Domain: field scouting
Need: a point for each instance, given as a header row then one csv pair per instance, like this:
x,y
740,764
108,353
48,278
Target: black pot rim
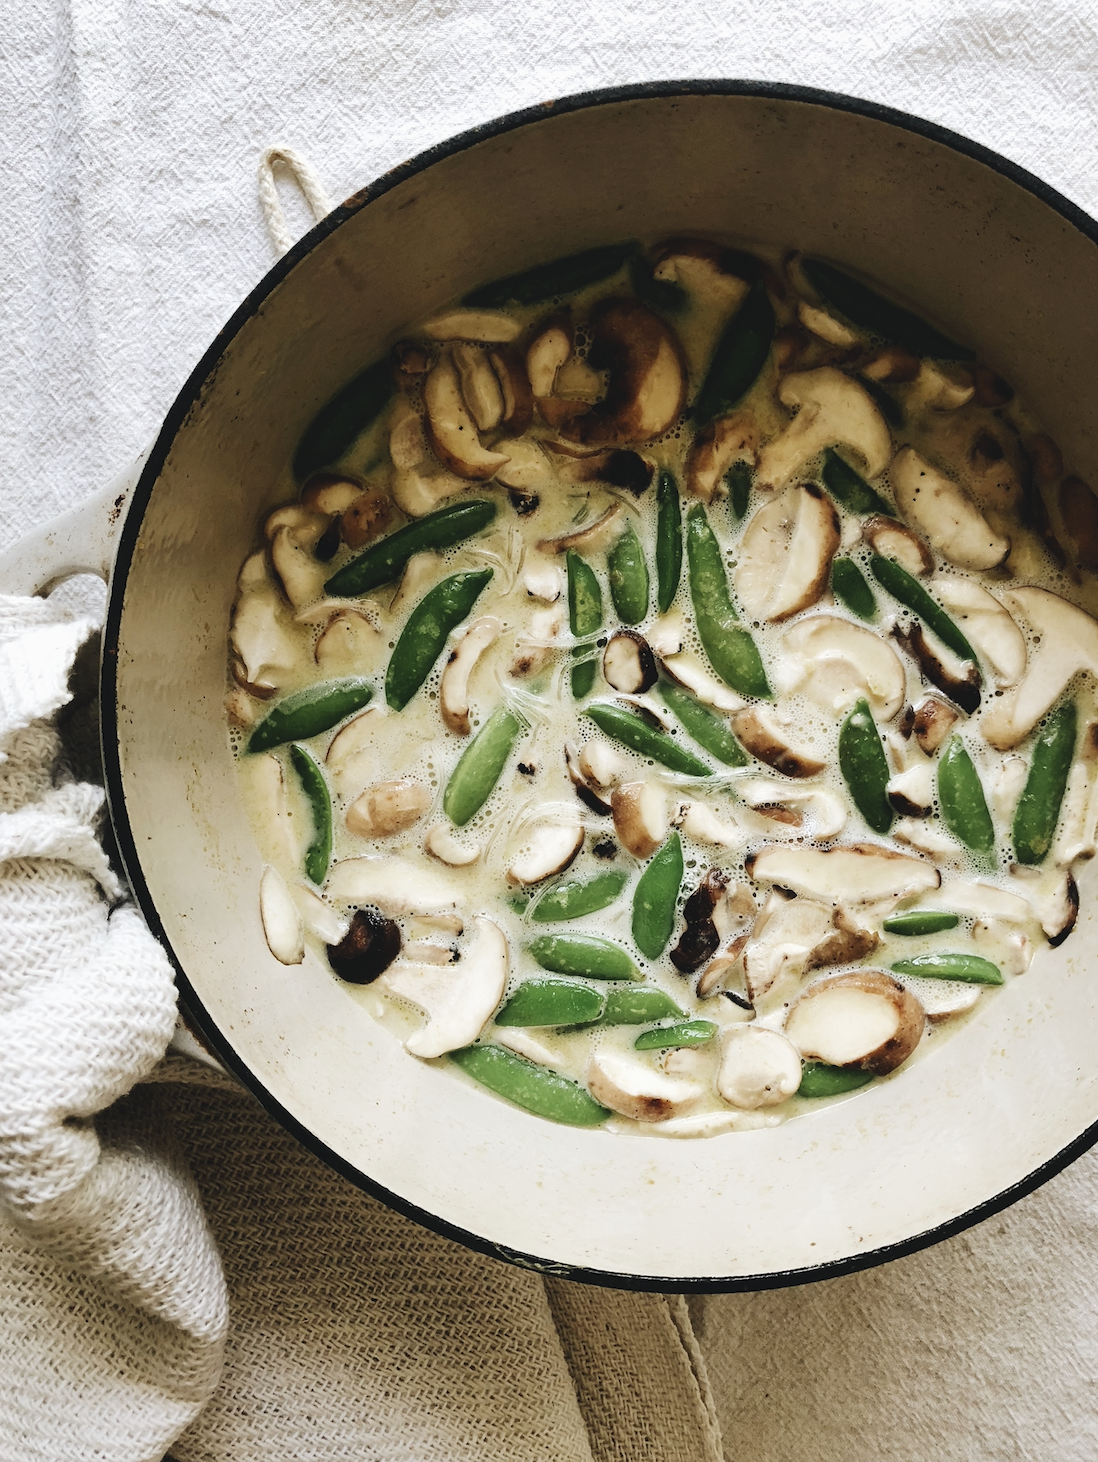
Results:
x,y
188,396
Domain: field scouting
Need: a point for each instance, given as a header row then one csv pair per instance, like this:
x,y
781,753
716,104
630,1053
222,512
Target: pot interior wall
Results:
x,y
967,246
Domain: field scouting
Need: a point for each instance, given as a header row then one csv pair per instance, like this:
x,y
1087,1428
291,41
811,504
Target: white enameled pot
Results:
x,y
968,239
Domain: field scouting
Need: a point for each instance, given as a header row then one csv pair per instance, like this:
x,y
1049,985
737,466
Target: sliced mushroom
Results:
x,y
364,518
758,730
912,792
864,1019
986,900
942,999
1004,944
794,935
834,409
330,493
1077,833
1066,641
349,642
421,570
636,1090
458,999
547,353
854,873
352,755
759,1067
940,509
267,654
241,706
601,764
724,970
451,430
700,822
935,389
985,454
711,273
1053,895
318,916
441,843
536,645
891,365
587,793
647,376
689,671
667,635
714,449
1008,784
616,468
514,385
840,662
525,1044
596,537
934,720
544,581
826,327
640,816
826,813
393,884
628,664
301,573
282,925
368,948
550,848
956,678
418,491
453,690
490,327
480,388
388,807
895,540
786,552
929,840
700,938
988,626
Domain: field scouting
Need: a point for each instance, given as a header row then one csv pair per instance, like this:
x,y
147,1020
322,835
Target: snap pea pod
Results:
x,y
310,711
632,731
424,636
628,575
584,619
477,772
739,357
738,479
655,899
864,766
637,1007
551,1002
850,588
578,896
865,307
346,416
548,281
1038,809
534,1088
668,540
818,1080
970,969
961,797
850,488
583,954
909,591
685,1033
731,650
318,855
921,921
708,730
384,561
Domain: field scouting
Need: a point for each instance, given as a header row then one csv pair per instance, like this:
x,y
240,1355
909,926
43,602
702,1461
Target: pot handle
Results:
x,y
81,541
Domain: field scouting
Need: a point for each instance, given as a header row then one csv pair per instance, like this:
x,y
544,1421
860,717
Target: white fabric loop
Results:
x,y
306,178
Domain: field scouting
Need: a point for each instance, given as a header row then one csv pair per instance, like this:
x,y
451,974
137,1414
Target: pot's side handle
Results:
x,y
81,541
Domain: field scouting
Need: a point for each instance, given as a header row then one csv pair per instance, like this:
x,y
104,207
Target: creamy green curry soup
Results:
x,y
665,691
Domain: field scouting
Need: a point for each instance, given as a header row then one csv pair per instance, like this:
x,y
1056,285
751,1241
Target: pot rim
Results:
x,y
174,420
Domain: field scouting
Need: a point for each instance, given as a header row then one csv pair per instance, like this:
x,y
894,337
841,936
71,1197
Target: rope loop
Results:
x,y
306,178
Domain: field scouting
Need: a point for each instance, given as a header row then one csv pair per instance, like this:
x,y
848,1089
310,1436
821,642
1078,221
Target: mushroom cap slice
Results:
x,y
547,352
934,720
1067,643
987,626
595,537
628,664
827,812
441,843
940,509
451,430
714,448
834,410
759,731
786,552
388,807
453,690
864,1019
896,540
282,923
634,1089
490,327
551,847
759,1067
480,386
647,388
689,671
640,816
458,999
853,873
349,642
393,884
844,661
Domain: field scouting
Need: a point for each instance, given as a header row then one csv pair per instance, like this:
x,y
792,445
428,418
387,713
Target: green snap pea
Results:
x,y
668,540
864,766
424,636
685,1033
583,954
551,1002
962,800
866,308
637,1007
849,587
384,561
551,280
1038,809
909,591
850,488
336,425
739,490
708,730
476,774
310,711
968,968
534,1088
655,898
731,650
584,619
633,731
318,855
740,355
628,575
921,921
578,896
818,1080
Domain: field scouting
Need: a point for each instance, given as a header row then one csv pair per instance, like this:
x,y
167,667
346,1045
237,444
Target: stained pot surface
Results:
x,y
968,240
